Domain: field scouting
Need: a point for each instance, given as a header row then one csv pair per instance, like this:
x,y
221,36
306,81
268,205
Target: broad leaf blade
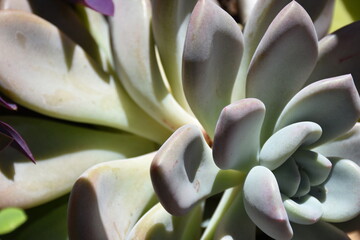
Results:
x,y
98,207
212,54
47,72
62,152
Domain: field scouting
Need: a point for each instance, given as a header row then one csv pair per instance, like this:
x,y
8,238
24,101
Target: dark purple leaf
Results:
x,y
105,7
10,106
17,141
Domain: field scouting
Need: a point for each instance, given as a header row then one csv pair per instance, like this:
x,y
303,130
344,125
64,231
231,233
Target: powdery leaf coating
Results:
x,y
264,205
183,171
332,103
237,135
213,39
283,143
291,42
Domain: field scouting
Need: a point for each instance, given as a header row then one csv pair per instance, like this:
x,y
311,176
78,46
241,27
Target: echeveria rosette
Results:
x,y
271,150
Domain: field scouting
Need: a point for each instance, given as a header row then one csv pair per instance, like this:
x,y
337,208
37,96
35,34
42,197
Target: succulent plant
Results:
x,y
268,116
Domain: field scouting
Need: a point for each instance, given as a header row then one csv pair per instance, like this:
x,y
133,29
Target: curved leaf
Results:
x,y
283,143
62,152
7,105
306,210
46,72
316,166
288,177
264,205
332,103
98,207
170,19
212,54
345,146
262,14
59,13
321,13
275,84
237,135
342,200
304,186
137,67
339,53
16,140
183,172
157,223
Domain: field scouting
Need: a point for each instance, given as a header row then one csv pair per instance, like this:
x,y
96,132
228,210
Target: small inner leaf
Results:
x,y
282,144
316,166
305,210
288,177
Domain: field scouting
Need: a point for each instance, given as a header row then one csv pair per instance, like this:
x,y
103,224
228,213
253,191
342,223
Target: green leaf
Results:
x,y
10,219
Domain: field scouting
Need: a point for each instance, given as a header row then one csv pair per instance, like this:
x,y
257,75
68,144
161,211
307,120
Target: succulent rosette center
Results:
x,y
271,141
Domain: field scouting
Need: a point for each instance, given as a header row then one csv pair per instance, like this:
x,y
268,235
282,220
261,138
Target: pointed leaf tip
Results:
x,y
18,142
9,106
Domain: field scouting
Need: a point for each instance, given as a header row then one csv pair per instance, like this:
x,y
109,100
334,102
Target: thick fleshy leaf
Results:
x,y
288,177
137,67
235,224
157,223
102,6
316,166
339,53
10,219
237,135
262,14
282,144
275,84
183,172
46,72
62,152
342,201
17,140
321,13
318,231
305,210
59,13
108,199
346,146
264,205
9,106
212,54
332,103
304,186
170,19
